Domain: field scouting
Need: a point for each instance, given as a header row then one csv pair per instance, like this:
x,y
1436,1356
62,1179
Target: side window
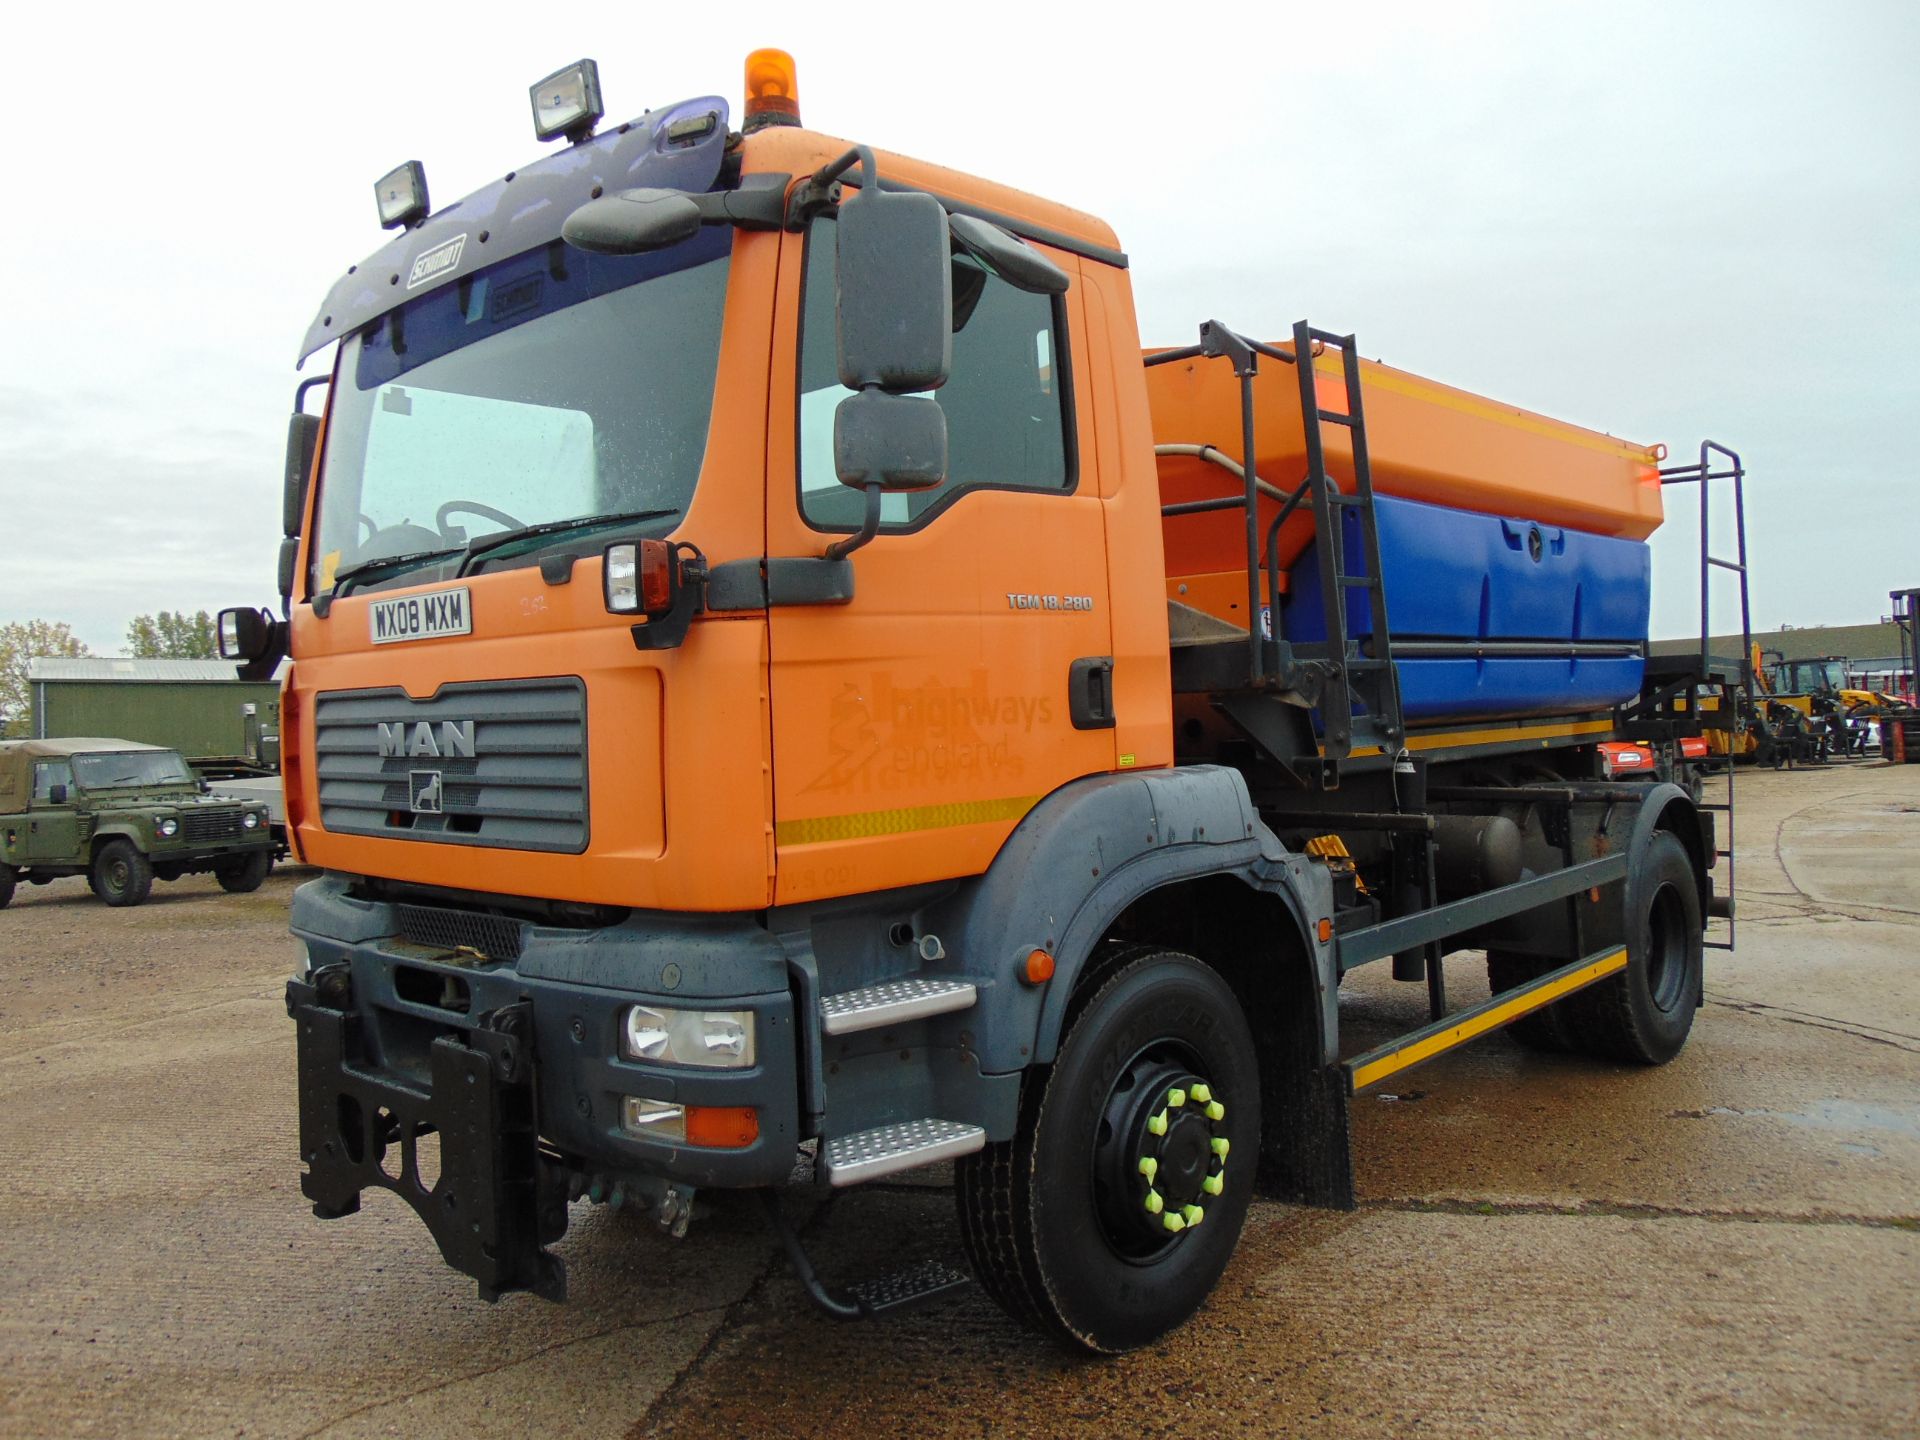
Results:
x,y
46,775
1006,401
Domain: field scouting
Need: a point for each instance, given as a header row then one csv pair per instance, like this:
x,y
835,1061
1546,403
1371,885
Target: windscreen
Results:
x,y
553,386
130,769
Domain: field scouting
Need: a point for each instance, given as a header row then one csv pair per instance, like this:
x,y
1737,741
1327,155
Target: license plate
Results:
x,y
421,617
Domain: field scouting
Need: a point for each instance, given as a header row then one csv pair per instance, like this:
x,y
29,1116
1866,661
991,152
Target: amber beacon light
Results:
x,y
773,90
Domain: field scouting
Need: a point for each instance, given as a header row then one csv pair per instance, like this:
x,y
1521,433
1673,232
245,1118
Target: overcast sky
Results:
x,y
1667,221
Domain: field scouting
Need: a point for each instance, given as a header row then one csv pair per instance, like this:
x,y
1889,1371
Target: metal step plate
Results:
x,y
888,1149
908,1288
893,1002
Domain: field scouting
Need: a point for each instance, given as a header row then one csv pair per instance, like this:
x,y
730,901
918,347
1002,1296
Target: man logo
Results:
x,y
425,793
455,738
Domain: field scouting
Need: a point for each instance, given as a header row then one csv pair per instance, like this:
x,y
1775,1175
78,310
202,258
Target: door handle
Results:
x,y
1090,692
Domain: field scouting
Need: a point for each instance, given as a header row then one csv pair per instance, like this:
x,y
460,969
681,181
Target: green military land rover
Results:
x,y
120,814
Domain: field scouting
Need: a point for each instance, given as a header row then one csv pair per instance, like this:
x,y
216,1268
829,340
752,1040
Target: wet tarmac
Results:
x,y
1728,1245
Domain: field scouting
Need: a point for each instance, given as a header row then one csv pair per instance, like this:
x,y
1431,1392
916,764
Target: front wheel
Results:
x,y
7,882
121,874
1108,1218
244,875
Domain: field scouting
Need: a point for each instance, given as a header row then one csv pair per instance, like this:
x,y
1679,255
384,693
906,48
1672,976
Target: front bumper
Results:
x,y
515,1066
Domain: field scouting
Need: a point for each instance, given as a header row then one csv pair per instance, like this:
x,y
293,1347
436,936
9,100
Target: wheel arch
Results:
x,y
1097,851
1671,809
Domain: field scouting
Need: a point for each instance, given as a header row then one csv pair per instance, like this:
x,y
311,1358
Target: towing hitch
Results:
x,y
496,1203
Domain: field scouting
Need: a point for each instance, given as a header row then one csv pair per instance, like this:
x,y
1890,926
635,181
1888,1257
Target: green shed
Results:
x,y
194,706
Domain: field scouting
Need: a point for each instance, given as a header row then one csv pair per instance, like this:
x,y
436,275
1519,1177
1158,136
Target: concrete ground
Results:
x,y
1726,1246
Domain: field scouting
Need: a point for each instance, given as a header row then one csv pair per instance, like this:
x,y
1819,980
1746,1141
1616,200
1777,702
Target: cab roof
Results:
x,y
71,745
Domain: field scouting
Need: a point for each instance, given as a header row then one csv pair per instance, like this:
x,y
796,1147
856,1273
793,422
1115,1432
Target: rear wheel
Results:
x,y
1108,1218
243,875
1643,1014
121,874
1546,1029
6,886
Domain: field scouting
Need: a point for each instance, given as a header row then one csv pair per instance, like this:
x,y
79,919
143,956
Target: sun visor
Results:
x,y
678,148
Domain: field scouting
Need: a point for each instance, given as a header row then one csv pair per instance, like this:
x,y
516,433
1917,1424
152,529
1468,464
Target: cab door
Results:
x,y
970,674
53,830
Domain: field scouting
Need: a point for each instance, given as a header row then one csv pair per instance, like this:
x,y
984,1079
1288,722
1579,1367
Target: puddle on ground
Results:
x,y
1825,1115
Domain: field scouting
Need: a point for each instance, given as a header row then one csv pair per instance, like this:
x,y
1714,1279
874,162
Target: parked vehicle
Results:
x,y
779,673
123,815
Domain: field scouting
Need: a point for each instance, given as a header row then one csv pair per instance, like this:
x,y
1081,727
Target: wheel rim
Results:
x,y
117,875
1666,949
1160,1152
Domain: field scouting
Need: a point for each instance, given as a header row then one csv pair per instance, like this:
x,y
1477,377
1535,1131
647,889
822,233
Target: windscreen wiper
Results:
x,y
395,562
486,546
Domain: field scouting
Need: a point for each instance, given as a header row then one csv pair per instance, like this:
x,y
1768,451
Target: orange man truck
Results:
x,y
785,690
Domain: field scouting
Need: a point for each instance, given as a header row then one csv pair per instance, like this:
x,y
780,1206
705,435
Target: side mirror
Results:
x,y
244,633
56,794
1008,256
897,442
632,222
895,299
303,438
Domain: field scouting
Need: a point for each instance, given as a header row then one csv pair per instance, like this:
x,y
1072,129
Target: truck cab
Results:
x,y
123,815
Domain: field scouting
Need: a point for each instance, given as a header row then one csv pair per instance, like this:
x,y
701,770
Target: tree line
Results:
x,y
165,635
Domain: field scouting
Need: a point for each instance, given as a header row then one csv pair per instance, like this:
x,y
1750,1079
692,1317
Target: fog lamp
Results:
x,y
168,828
711,1039
567,102
402,195
654,1119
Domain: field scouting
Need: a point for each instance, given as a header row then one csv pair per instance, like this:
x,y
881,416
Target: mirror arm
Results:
x,y
821,190
869,527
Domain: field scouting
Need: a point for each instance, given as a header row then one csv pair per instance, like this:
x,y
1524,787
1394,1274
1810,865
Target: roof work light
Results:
x,y
567,103
773,90
402,195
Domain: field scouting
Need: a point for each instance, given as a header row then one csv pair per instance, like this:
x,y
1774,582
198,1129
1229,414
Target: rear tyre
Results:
x,y
1108,1218
7,882
1643,1015
121,874
243,876
1546,1030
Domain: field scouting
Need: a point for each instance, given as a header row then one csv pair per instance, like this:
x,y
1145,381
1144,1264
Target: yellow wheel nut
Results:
x,y
1176,1098
1173,1222
1154,1203
1158,1124
1214,1184
1216,1111
1201,1093
1192,1214
1220,1146
1149,1167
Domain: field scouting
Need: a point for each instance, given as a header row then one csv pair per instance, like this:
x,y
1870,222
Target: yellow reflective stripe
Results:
x,y
1401,383
1487,1020
867,824
1440,739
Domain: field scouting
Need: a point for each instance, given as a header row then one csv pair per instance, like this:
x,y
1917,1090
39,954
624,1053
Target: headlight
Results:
x,y
249,821
168,828
714,1039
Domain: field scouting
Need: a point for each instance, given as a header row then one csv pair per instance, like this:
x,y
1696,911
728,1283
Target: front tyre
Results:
x,y
1108,1218
121,874
7,882
244,875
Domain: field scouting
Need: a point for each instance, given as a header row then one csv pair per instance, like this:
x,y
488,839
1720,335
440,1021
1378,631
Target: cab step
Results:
x,y
889,1149
908,1288
893,1002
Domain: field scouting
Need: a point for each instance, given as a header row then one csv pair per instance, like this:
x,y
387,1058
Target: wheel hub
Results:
x,y
1162,1155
